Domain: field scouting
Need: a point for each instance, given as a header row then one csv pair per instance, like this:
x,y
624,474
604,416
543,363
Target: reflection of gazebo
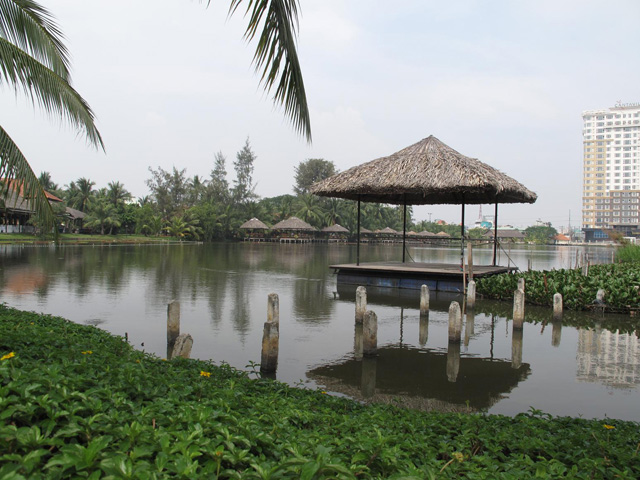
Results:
x,y
418,377
255,229
294,230
428,172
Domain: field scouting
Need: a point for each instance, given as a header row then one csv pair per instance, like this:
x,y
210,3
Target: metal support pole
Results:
x,y
462,238
358,236
495,236
404,228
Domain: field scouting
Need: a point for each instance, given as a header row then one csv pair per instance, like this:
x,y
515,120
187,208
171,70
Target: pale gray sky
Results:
x,y
171,83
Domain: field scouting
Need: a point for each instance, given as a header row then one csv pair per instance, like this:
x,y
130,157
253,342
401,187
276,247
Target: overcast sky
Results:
x,y
171,84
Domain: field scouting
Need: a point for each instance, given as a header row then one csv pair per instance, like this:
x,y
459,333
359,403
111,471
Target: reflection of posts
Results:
x,y
455,322
424,301
271,336
518,309
357,342
173,325
556,333
516,347
453,361
368,378
370,334
469,328
361,303
471,294
423,333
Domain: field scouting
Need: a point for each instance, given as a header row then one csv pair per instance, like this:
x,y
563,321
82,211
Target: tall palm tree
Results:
x,y
80,194
33,59
117,194
103,215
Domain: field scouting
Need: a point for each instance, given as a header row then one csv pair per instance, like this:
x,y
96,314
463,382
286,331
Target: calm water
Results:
x,y
223,292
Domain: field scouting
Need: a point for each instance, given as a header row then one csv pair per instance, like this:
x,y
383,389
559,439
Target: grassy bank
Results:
x,y
76,402
618,280
78,239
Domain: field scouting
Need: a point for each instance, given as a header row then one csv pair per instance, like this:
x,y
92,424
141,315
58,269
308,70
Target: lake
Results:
x,y
222,288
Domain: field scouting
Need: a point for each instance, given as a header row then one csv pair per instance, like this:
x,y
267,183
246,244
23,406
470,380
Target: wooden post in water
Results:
x,y
173,325
529,264
557,306
424,301
471,294
361,303
470,262
518,309
182,346
271,336
370,334
455,322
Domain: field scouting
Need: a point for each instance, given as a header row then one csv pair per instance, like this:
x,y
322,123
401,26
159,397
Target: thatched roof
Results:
x,y
428,172
388,230
254,224
75,214
293,223
442,234
365,230
337,228
425,233
505,234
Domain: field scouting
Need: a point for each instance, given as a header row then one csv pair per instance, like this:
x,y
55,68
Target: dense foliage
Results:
x,y
628,253
76,402
619,281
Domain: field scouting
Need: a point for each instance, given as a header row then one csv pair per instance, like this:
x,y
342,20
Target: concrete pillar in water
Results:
x,y
521,283
453,361
516,348
423,332
518,309
273,308
455,322
182,346
471,294
173,325
368,377
556,333
424,301
557,306
271,336
529,264
469,328
370,334
361,303
357,342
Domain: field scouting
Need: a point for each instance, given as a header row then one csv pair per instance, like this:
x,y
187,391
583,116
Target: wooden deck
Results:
x,y
444,277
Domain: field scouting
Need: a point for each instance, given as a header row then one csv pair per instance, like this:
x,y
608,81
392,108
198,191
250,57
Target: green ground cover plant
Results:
x,y
618,280
77,402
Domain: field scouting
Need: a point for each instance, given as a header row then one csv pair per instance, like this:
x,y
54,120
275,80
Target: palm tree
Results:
x,y
80,193
34,59
117,194
103,214
309,210
46,182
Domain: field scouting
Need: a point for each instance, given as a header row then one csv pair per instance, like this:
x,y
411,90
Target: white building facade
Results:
x,y
611,170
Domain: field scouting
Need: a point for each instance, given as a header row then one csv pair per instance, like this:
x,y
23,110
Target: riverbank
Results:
x,y
79,239
77,401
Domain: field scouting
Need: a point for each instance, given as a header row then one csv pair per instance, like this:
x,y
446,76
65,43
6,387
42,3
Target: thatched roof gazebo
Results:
x,y
389,231
254,224
428,172
293,223
337,228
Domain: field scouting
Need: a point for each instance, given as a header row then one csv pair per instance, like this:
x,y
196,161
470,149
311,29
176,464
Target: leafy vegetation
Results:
x,y
77,402
628,253
620,282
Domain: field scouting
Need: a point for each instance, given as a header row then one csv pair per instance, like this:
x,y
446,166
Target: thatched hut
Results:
x,y
336,233
337,228
293,229
428,172
254,224
255,230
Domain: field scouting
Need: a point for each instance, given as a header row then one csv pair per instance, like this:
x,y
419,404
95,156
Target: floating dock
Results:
x,y
440,277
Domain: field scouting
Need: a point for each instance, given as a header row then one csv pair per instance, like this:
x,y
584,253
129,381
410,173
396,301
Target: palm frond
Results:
x,y
16,174
32,28
276,55
50,90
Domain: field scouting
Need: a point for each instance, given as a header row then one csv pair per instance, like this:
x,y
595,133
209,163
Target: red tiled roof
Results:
x,y
15,185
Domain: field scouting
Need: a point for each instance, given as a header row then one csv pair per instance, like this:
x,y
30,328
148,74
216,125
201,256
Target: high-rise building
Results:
x,y
611,171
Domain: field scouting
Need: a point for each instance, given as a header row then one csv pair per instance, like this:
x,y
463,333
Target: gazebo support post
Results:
x,y
495,235
462,238
358,235
404,228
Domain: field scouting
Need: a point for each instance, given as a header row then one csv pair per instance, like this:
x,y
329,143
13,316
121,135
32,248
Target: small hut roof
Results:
x,y
365,230
442,234
505,234
293,223
74,214
428,172
425,233
388,230
254,224
337,228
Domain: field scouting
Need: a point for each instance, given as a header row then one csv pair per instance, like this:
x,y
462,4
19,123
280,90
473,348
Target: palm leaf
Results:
x,y
52,91
16,172
277,57
31,27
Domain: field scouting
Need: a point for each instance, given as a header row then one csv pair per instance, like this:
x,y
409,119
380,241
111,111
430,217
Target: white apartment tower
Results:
x,y
611,170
